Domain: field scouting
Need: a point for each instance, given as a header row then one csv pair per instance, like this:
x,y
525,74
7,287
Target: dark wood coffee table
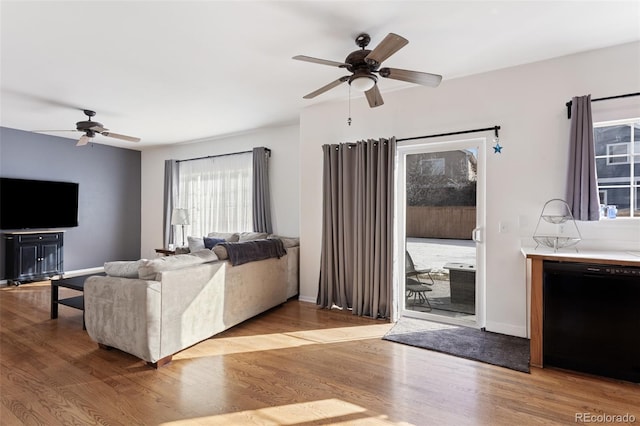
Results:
x,y
77,302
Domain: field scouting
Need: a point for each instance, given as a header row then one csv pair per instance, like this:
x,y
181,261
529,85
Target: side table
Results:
x,y
462,282
76,302
165,251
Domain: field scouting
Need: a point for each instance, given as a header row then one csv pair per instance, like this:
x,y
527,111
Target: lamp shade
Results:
x,y
180,217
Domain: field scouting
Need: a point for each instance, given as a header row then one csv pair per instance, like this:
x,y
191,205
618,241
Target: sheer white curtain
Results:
x,y
217,193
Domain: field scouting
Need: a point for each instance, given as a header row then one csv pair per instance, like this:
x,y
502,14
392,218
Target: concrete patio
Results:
x,y
435,254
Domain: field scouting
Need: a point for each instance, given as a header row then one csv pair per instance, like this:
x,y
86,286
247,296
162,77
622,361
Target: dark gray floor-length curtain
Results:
x,y
261,194
357,228
582,189
170,191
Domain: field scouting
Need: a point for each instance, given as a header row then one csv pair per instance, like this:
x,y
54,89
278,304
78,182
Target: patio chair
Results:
x,y
414,286
411,271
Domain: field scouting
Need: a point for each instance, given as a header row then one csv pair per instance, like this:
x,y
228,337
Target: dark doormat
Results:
x,y
465,342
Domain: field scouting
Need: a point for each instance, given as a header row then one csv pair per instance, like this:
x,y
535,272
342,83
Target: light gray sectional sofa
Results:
x,y
155,308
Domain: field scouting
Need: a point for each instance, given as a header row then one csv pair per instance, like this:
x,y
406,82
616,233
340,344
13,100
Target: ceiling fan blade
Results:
x,y
374,97
84,139
319,61
417,77
387,47
54,131
327,87
118,136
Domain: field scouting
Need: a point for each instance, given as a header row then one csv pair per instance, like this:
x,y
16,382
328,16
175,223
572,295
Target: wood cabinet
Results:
x,y
536,258
33,256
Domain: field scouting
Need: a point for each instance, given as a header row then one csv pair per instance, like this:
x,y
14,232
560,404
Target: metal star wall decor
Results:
x,y
497,149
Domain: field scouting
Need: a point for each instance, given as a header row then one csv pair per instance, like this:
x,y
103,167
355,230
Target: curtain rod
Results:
x,y
222,155
494,128
568,104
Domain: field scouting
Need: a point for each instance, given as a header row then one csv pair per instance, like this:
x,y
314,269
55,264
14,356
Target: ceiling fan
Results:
x,y
364,64
90,128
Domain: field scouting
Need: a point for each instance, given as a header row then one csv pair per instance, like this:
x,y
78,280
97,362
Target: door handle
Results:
x,y
476,235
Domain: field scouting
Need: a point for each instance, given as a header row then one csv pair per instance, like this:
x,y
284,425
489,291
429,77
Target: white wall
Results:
x,y
528,102
283,171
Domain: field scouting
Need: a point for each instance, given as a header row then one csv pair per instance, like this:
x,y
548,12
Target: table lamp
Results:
x,y
180,217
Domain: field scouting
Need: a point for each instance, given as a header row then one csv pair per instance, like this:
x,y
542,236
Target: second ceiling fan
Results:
x,y
364,64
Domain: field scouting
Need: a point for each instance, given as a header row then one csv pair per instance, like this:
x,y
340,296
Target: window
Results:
x,y
617,148
217,193
618,153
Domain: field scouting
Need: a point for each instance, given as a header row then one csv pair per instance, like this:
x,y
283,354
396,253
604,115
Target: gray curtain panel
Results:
x,y
170,192
357,227
582,188
260,191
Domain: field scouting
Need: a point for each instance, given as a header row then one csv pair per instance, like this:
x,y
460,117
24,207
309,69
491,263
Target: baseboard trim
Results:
x,y
307,299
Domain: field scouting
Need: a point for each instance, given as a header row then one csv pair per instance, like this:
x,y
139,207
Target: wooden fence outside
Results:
x,y
455,222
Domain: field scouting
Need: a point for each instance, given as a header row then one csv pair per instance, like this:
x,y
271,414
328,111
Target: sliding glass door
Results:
x,y
440,214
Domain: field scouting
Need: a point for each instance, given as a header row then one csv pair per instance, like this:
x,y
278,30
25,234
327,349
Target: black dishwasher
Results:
x,y
591,319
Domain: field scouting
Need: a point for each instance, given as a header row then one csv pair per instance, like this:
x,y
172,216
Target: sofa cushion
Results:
x,y
210,242
288,242
123,268
206,255
195,244
249,236
150,268
231,237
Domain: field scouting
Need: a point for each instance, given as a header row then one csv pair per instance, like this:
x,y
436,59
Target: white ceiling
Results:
x,y
180,71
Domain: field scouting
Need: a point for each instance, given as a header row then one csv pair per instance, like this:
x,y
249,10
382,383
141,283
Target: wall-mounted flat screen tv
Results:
x,y
37,204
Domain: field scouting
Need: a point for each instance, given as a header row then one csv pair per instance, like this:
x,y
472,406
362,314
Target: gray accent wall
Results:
x,y
109,193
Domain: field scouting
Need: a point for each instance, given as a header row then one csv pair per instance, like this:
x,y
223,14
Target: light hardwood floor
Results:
x,y
294,365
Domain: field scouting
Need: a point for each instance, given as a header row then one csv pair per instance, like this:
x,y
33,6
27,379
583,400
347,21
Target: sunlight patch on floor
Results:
x,y
267,342
327,411
241,344
344,334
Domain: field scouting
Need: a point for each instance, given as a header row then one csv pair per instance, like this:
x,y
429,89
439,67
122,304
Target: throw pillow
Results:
x,y
228,236
221,252
248,236
195,243
210,242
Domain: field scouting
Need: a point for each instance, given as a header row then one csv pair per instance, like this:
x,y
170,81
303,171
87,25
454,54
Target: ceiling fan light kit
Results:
x,y
363,65
362,83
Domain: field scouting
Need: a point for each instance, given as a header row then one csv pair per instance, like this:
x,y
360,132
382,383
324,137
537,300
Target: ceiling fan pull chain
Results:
x,y
349,119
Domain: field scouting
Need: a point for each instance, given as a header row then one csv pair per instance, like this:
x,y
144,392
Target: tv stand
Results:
x,y
33,256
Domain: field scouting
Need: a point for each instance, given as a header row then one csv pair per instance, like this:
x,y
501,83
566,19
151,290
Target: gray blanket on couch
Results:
x,y
249,251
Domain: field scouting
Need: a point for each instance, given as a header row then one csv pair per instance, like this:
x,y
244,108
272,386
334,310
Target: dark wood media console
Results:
x,y
33,256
